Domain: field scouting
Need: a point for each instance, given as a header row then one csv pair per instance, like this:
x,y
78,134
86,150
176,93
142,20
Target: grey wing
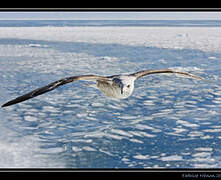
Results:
x,y
156,71
51,87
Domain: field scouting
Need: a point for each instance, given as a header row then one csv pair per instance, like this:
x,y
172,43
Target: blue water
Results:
x,y
168,122
61,23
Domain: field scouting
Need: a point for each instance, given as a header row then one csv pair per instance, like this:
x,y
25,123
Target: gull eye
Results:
x,y
128,86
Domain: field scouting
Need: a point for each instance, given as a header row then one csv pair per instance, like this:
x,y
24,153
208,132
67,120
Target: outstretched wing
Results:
x,y
53,86
156,71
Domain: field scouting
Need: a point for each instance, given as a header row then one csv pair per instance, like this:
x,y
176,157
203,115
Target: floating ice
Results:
x,y
30,118
139,36
50,109
88,148
203,149
141,157
187,124
121,132
37,45
172,158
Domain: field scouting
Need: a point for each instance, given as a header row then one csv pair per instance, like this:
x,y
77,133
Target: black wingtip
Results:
x,y
6,104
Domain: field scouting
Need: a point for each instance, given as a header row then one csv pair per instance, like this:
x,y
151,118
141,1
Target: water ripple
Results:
x,y
169,121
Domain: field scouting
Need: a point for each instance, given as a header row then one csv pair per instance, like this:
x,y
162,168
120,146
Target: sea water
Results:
x,y
168,122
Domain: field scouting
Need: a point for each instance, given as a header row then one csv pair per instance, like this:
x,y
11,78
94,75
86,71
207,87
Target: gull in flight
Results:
x,y
116,86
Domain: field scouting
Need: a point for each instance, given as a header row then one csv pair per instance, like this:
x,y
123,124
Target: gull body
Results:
x,y
116,86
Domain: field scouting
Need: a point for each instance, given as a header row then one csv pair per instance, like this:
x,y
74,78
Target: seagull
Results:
x,y
116,86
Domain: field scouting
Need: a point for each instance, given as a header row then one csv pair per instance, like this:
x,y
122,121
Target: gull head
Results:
x,y
126,85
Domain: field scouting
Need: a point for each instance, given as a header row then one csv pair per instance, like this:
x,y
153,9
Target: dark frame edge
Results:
x,y
110,9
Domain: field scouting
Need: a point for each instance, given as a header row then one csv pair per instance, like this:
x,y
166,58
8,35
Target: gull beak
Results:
x,y
121,88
